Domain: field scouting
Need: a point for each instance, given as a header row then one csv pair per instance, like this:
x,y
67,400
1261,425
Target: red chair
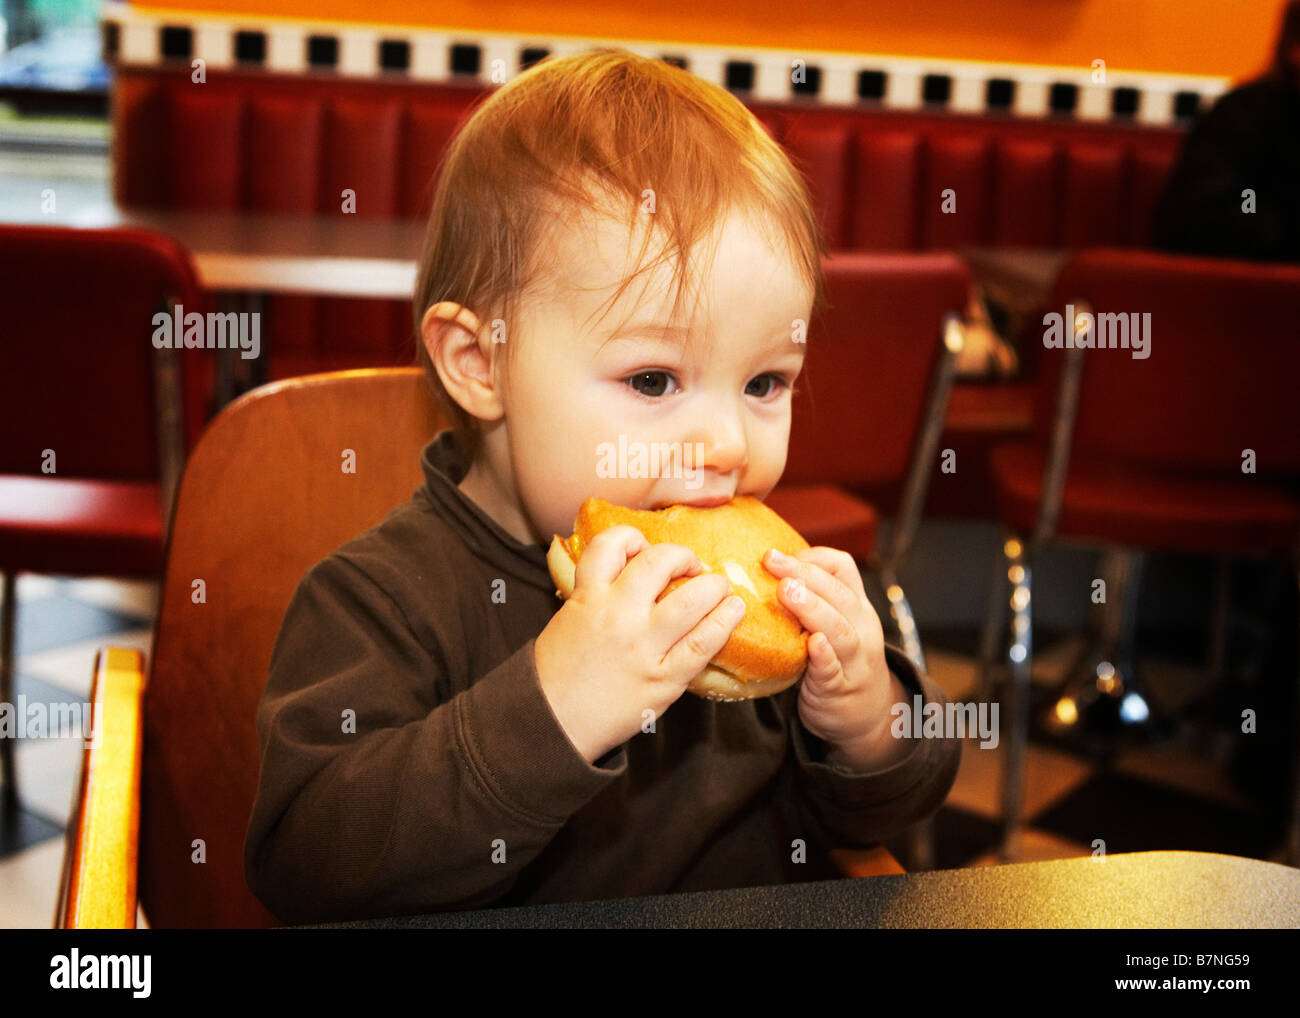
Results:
x,y
870,405
1150,452
94,432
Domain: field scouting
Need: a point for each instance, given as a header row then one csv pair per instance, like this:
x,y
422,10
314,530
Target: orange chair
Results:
x,y
94,435
1191,446
179,759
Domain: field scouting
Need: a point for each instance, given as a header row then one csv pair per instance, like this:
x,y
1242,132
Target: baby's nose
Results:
x,y
725,446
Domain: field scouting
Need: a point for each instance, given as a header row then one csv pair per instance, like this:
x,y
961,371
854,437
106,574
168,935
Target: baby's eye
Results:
x,y
653,388
648,384
775,380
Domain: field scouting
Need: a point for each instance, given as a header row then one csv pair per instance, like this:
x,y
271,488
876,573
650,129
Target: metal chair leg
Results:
x,y
994,620
1218,651
1020,656
1100,696
1293,832
904,620
1119,634
7,651
920,837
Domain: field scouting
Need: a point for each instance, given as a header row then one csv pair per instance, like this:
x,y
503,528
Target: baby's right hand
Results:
x,y
611,652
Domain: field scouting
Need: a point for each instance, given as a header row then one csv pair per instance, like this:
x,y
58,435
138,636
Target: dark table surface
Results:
x,y
1159,890
325,255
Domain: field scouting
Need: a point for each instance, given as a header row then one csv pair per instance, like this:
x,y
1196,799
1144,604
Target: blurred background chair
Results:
x,y
97,422
271,455
868,412
869,408
1194,449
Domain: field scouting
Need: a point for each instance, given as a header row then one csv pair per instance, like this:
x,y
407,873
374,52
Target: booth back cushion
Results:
x,y
881,181
888,181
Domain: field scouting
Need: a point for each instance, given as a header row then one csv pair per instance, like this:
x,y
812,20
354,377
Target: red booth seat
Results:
x,y
879,178
1177,514
57,525
293,144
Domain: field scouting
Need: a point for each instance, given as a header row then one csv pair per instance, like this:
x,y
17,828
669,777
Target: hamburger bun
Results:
x,y
768,649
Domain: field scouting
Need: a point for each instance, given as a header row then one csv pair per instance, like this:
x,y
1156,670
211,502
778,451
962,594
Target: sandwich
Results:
x,y
768,649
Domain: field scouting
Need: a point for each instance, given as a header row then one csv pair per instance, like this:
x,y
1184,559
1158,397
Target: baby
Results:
x,y
439,731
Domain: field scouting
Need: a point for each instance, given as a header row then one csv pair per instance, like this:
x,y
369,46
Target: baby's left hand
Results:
x,y
847,689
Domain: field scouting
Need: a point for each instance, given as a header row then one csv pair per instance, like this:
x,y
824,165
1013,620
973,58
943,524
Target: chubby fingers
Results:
x,y
623,551
812,572
685,606
817,615
609,551
823,589
635,567
694,623
838,563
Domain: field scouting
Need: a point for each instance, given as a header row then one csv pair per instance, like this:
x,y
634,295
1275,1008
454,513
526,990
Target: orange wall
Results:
x,y
1214,37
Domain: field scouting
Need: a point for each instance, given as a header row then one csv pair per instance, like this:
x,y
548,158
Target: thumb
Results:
x,y
609,551
823,664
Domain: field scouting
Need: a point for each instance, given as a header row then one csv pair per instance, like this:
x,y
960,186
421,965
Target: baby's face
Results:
x,y
645,418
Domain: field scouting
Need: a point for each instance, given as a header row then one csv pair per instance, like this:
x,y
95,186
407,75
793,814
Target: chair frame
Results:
x,y
1017,559
917,484
911,505
98,885
170,431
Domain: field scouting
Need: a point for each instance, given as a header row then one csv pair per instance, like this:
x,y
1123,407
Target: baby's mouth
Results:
x,y
699,503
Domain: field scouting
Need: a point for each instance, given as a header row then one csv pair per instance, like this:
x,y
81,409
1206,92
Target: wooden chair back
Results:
x,y
265,495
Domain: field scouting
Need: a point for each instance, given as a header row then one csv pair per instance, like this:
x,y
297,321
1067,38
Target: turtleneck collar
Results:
x,y
444,468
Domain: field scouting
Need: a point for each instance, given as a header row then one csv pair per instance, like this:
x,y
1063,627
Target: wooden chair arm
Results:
x,y
98,887
865,862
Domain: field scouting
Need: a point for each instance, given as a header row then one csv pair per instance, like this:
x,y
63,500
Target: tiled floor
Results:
x,y
1175,795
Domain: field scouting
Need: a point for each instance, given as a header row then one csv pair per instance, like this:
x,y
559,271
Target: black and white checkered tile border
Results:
x,y
141,37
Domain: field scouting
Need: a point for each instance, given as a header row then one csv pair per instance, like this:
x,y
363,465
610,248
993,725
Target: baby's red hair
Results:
x,y
590,133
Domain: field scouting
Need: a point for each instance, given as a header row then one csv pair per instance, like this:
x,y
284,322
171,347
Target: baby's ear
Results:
x,y
435,320
454,343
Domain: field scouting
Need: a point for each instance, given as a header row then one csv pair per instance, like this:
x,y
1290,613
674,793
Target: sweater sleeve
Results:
x,y
375,799
842,809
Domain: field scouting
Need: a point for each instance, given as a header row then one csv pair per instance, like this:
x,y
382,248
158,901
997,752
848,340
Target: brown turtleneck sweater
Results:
x,y
410,762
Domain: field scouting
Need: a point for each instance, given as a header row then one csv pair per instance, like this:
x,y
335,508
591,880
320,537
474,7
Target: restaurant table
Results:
x,y
347,256
1138,890
326,256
